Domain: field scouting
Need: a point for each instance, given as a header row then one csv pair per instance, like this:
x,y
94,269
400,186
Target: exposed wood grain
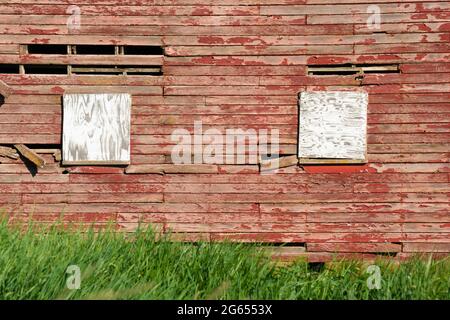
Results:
x,y
333,125
96,128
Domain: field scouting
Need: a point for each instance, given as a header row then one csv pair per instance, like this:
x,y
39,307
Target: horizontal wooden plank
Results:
x,y
336,9
187,51
296,40
114,175
426,247
301,197
166,169
29,29
353,247
105,197
360,18
152,20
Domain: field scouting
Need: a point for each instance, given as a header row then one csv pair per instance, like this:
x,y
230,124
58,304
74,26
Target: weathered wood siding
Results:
x,y
240,64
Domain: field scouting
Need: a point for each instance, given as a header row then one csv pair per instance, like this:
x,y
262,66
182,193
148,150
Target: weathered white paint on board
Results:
x,y
96,128
333,125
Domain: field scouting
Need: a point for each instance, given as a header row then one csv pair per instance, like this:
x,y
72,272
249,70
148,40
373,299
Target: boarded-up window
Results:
x,y
96,129
332,127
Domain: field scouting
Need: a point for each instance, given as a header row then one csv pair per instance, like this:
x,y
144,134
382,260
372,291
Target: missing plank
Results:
x,y
352,69
9,68
46,49
45,69
74,50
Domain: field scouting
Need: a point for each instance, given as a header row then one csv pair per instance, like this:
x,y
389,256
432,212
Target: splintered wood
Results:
x,y
8,153
332,125
96,129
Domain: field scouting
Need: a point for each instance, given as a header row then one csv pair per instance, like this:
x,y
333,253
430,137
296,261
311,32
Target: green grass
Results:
x,y
33,266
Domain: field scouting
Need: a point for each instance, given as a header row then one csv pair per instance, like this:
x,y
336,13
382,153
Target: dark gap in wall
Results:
x,y
288,244
384,71
143,50
2,100
316,266
385,254
9,68
352,69
43,146
47,49
31,167
45,69
87,49
333,73
95,50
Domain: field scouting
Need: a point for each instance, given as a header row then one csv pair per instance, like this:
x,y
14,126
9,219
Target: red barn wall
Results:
x,y
241,64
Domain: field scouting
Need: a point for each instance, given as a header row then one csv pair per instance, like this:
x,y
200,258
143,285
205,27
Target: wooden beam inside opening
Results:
x,y
330,161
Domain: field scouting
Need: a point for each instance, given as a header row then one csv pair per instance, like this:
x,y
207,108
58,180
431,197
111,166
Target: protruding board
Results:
x,y
96,129
5,90
333,125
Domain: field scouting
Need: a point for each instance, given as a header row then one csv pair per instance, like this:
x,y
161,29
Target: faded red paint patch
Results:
x,y
423,27
327,60
41,40
419,16
420,56
381,57
444,27
377,187
238,12
202,12
245,40
57,90
211,40
222,61
40,31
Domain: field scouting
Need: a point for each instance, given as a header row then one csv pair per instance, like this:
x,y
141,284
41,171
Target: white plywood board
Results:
x,y
96,128
333,125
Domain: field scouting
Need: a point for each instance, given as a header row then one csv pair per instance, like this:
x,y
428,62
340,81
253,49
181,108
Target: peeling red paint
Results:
x,y
57,90
202,12
327,60
338,168
246,40
211,40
